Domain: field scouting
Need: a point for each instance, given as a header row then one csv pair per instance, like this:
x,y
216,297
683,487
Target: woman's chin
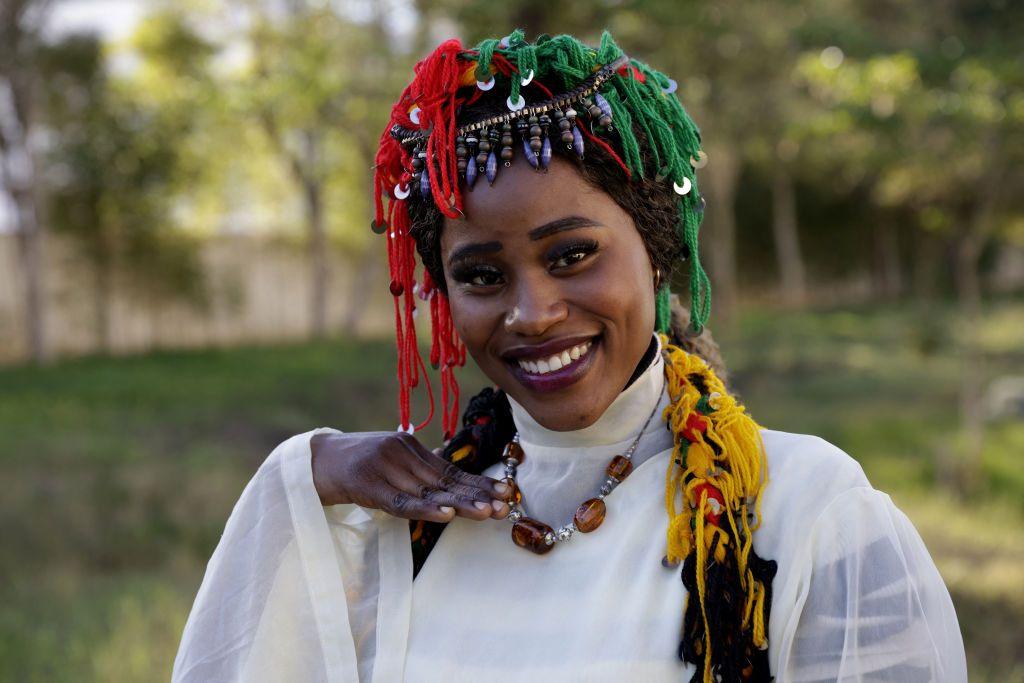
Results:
x,y
560,400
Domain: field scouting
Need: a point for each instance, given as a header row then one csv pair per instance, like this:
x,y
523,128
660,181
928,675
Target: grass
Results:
x,y
120,472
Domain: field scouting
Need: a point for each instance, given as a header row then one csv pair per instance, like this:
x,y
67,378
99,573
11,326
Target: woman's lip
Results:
x,y
556,379
546,349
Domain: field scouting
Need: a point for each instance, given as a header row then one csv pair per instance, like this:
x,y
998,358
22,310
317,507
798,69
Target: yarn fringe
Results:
x,y
717,472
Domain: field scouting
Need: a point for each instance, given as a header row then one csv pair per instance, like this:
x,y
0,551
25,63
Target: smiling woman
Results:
x,y
642,497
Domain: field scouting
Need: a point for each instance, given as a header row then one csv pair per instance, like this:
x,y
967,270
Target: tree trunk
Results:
x,y
101,304
888,280
319,270
972,416
927,255
17,172
723,172
787,237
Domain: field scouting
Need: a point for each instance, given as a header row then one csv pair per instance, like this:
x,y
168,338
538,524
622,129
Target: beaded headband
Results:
x,y
478,141
423,156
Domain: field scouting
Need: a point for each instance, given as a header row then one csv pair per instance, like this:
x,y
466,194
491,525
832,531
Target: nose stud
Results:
x,y
512,316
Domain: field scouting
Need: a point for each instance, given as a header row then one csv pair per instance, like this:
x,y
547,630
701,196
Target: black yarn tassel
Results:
x,y
486,425
733,653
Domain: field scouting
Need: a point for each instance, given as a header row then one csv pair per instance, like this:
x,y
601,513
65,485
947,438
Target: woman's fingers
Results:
x,y
468,502
401,503
450,475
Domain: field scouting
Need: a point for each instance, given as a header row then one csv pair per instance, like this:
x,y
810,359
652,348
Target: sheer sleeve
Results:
x,y
292,591
873,606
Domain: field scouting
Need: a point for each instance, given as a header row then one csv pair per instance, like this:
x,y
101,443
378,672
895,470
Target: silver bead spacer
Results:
x,y
566,532
607,486
549,538
515,515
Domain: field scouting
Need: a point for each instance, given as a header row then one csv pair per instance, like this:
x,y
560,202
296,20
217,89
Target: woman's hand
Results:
x,y
392,471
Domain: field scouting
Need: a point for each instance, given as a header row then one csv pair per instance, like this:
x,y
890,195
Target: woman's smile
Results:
x,y
553,365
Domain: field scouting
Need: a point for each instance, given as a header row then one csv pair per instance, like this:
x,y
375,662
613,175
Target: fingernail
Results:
x,y
501,488
480,505
497,505
445,509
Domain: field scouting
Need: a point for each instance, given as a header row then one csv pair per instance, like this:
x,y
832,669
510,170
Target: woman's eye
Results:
x,y
479,277
485,279
572,255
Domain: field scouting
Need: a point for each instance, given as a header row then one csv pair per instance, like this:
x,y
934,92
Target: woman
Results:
x,y
549,189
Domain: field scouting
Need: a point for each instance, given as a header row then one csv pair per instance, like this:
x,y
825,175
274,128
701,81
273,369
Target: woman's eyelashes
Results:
x,y
562,257
566,255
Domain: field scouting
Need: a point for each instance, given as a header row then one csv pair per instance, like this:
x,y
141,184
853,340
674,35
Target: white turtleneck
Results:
x,y
296,591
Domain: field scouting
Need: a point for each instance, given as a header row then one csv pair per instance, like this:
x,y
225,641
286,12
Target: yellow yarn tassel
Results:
x,y
718,468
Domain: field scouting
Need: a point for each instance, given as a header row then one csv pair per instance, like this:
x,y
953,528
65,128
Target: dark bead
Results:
x,y
517,495
492,168
506,153
425,184
513,450
577,142
589,515
536,144
567,138
545,153
529,533
620,467
396,288
531,156
604,121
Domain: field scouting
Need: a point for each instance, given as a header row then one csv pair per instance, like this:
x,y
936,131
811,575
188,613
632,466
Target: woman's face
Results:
x,y
551,290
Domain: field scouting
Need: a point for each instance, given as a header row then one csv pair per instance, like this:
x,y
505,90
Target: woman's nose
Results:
x,y
535,308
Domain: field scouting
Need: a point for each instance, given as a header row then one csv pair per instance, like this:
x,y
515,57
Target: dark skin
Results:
x,y
539,257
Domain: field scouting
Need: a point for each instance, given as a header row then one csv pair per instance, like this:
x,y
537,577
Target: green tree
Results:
x,y
117,165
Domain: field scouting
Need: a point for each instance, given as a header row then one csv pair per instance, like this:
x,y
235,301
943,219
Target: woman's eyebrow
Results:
x,y
560,225
473,249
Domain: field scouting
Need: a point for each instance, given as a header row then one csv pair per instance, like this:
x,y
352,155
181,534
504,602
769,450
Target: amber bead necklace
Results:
x,y
538,537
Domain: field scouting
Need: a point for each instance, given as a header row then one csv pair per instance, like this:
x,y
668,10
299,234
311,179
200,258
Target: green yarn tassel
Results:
x,y
663,310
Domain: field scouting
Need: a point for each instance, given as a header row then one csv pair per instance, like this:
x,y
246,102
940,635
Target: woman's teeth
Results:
x,y
555,362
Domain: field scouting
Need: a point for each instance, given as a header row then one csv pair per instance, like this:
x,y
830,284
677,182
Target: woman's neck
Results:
x,y
645,362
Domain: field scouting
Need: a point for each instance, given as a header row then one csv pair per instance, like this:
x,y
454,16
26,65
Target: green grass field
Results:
x,y
119,473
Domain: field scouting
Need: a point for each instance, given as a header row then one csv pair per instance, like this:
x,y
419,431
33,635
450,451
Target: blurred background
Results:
x,y
187,274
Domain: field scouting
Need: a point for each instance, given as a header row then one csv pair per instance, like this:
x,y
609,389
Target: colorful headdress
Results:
x,y
579,97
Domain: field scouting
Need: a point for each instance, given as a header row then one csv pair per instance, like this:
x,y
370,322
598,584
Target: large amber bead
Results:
x,y
620,467
589,515
513,450
530,534
517,495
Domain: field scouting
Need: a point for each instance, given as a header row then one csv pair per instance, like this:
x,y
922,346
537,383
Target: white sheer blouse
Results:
x,y
299,592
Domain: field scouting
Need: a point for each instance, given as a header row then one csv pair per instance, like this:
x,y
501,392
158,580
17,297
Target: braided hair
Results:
x,y
654,140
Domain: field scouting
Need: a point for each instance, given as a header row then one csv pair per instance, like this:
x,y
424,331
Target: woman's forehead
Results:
x,y
522,199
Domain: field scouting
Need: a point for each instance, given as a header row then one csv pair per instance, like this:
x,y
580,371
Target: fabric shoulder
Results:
x,y
805,474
